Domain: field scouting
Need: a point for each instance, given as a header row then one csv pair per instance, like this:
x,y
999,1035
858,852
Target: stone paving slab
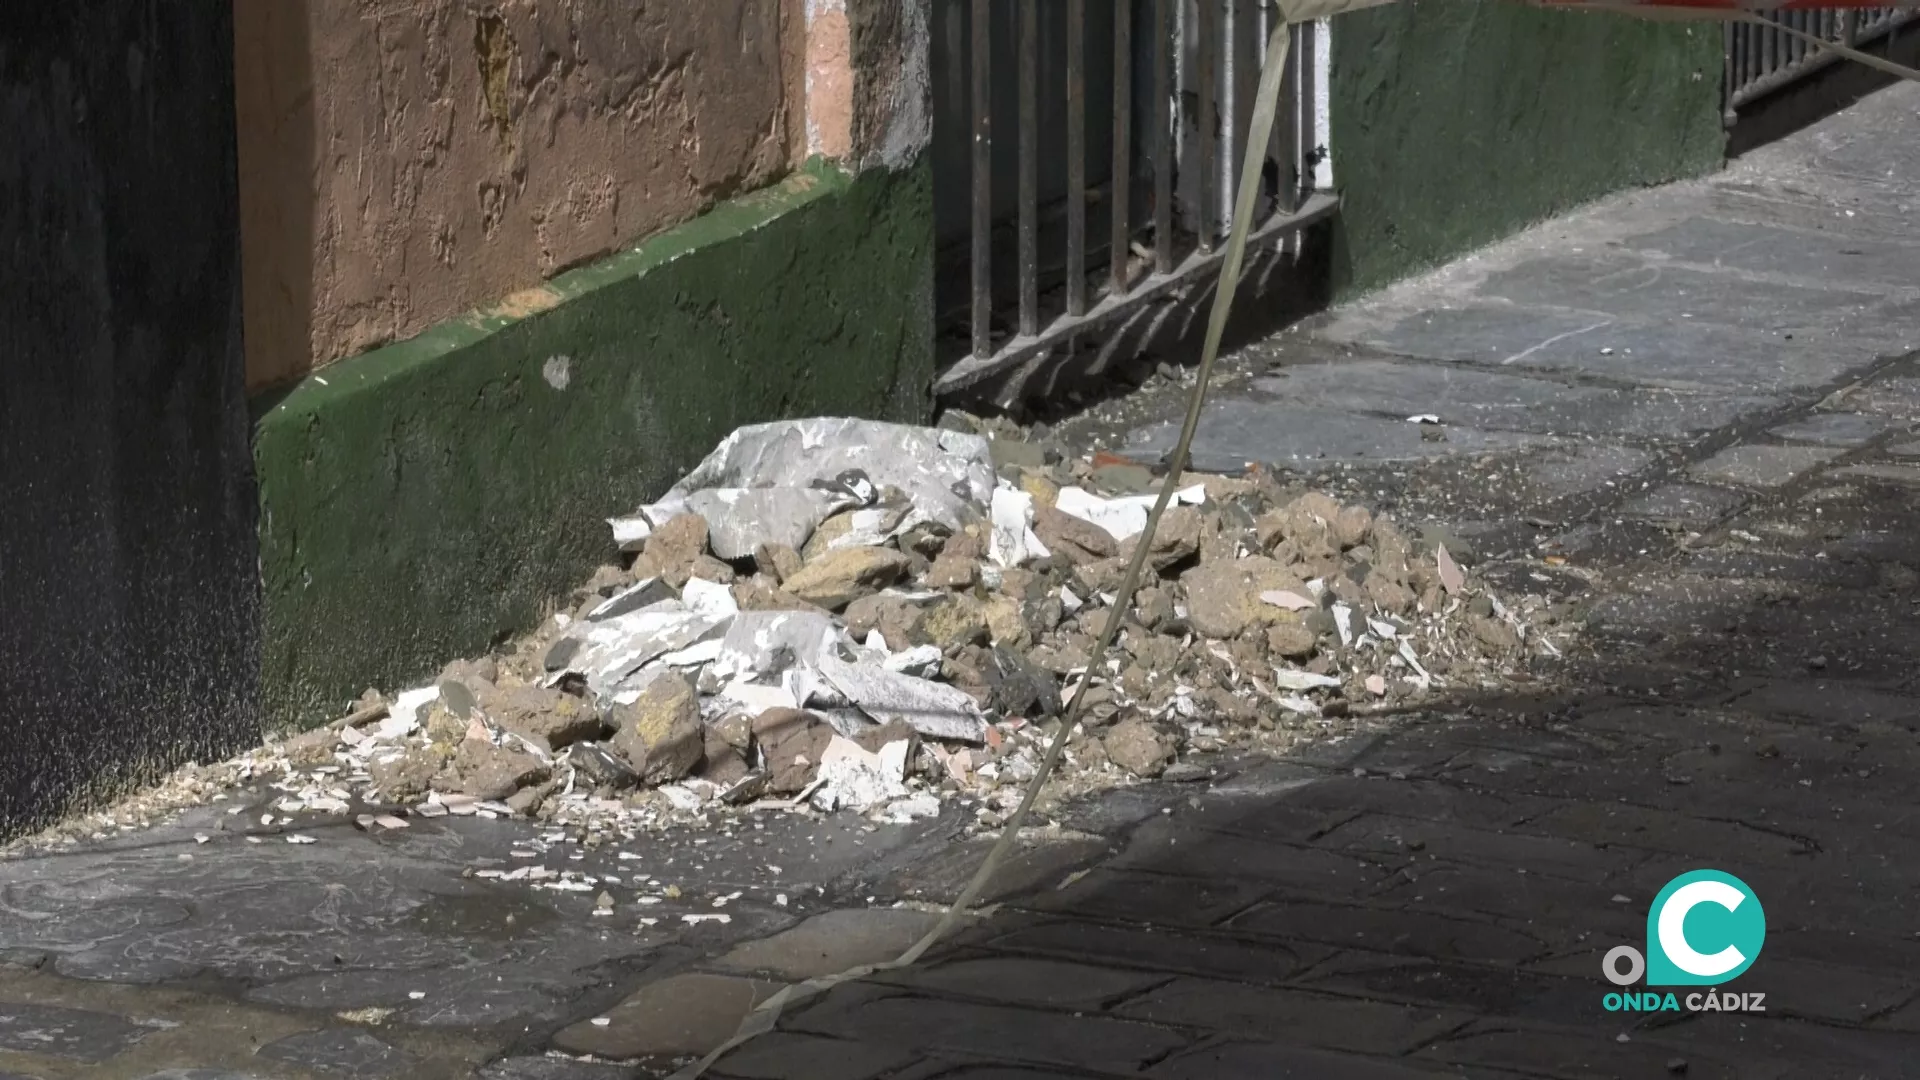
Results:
x,y
1649,290
1833,429
1882,264
1500,401
1763,466
1680,355
1236,432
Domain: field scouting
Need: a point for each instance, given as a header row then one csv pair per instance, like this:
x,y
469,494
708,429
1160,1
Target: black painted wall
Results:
x,y
129,590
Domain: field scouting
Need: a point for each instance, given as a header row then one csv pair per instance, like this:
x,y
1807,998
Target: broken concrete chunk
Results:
x,y
947,623
1138,747
735,729
404,775
1352,526
599,767
660,734
934,710
769,642
777,561
1220,599
477,676
1178,537
486,771
643,593
1291,641
741,520
612,650
708,568
1493,633
549,718
1075,538
790,742
1021,687
838,578
1007,622
672,549
950,572
893,614
757,595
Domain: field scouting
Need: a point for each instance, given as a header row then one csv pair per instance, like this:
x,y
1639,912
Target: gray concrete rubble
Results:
x,y
917,607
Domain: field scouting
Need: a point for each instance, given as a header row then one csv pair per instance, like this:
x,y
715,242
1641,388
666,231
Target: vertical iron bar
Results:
x,y
1729,74
1248,48
981,45
1283,149
1163,136
1076,156
1207,123
1296,154
1228,103
1122,180
1029,167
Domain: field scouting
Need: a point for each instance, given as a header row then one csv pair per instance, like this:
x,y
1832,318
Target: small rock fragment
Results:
x,y
486,771
660,734
777,561
598,767
547,717
837,578
1080,541
1136,746
672,549
1021,687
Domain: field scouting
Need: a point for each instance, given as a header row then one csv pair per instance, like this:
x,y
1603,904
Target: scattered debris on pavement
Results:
x,y
843,615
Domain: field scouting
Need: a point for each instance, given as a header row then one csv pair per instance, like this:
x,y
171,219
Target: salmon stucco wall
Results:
x,y
403,161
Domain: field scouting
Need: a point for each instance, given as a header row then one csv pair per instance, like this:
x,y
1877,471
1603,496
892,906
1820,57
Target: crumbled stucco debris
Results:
x,y
897,627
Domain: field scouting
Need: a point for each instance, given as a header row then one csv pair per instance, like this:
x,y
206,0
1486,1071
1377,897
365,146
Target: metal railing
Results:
x,y
1182,80
1763,59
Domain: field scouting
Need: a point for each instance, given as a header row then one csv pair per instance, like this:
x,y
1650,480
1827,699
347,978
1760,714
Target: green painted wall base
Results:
x,y
421,502
1456,122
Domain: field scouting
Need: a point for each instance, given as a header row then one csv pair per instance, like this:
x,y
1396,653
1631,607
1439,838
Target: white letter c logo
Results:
x,y
1673,935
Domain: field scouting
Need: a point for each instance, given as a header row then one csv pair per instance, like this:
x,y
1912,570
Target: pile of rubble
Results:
x,y
841,613
832,614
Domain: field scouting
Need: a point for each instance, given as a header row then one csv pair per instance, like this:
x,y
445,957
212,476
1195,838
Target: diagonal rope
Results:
x,y
763,1018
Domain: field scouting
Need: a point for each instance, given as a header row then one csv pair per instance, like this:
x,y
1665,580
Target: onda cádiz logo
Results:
x,y
1704,929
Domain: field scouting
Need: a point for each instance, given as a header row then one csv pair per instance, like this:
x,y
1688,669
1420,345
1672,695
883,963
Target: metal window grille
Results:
x,y
1154,97
1763,59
